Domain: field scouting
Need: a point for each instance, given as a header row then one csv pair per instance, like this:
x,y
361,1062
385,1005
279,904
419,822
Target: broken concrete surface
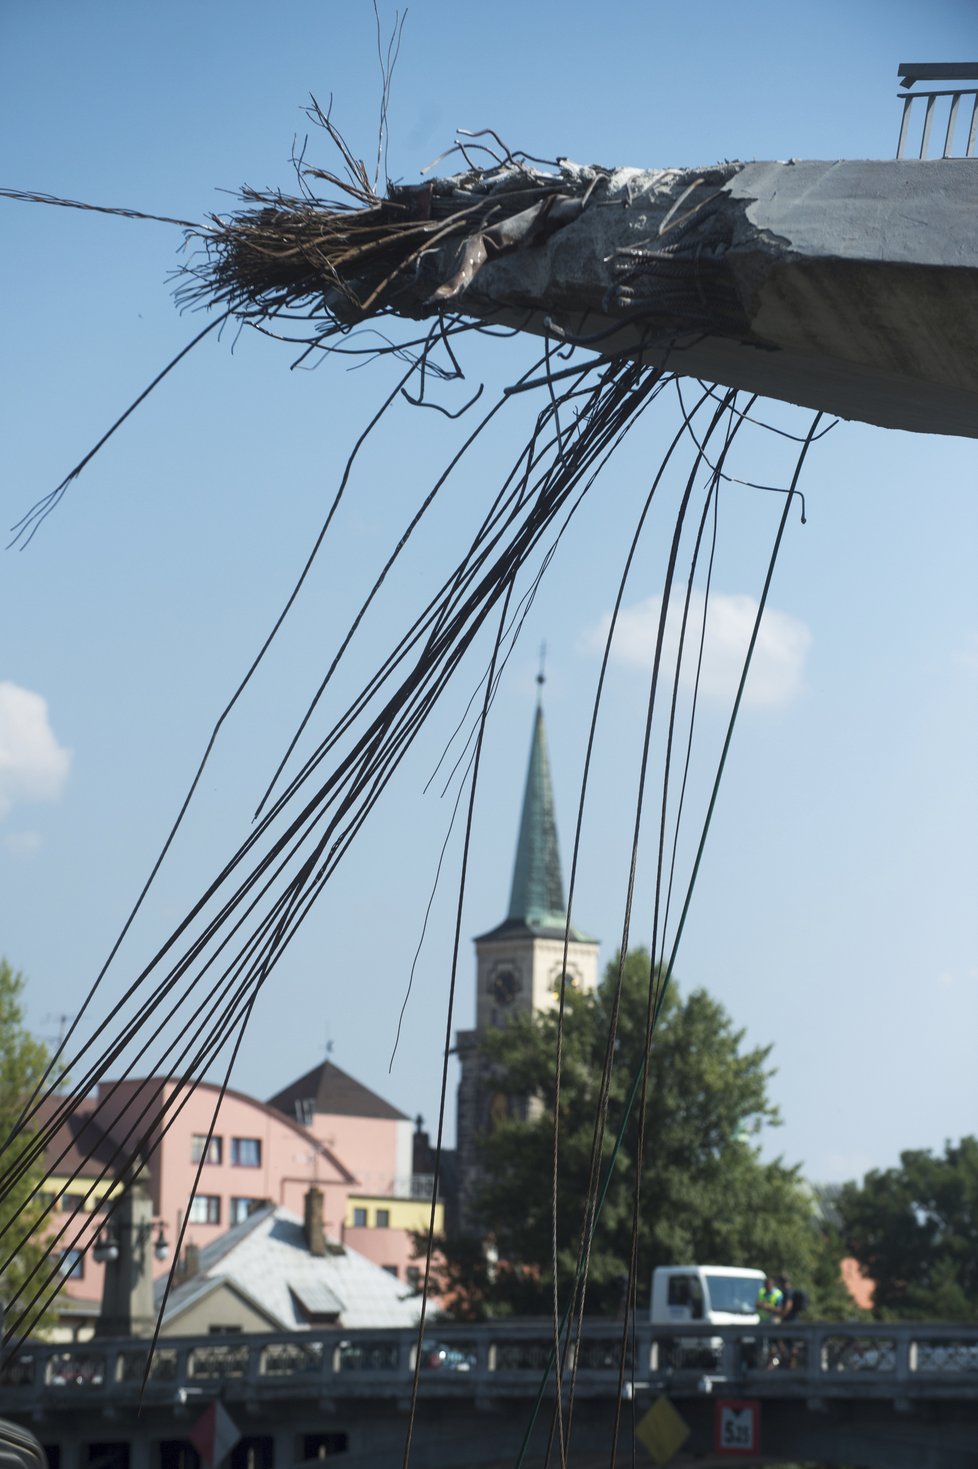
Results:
x,y
856,284
850,287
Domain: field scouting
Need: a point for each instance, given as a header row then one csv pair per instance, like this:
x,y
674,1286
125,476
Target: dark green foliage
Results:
x,y
22,1063
914,1231
706,1195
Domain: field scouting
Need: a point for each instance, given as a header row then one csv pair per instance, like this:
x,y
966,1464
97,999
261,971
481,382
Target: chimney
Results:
x,y
422,1153
190,1263
313,1222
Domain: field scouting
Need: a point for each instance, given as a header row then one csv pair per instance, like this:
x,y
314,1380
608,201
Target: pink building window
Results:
x,y
200,1147
241,1208
246,1152
205,1209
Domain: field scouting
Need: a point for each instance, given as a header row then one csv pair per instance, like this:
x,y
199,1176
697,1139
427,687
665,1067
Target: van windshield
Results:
x,y
736,1294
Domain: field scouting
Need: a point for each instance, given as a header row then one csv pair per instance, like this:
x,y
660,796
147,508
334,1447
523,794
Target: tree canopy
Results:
x,y
706,1195
914,1231
22,1064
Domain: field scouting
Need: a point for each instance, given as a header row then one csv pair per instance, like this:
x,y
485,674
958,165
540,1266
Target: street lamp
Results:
x,y
106,1247
123,1244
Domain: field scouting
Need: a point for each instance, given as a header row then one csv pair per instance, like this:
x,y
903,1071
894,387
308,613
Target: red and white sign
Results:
x,y
737,1426
214,1434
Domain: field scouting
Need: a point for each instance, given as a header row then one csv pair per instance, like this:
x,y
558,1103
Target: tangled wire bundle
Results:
x,y
605,246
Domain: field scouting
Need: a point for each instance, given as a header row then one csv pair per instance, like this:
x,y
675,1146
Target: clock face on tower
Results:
x,y
504,984
565,977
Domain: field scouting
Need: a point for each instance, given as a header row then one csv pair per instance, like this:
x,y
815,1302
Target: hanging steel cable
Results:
x,y
449,253
237,931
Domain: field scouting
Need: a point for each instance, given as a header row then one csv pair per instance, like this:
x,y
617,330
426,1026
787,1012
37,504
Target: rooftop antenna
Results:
x,y
63,1022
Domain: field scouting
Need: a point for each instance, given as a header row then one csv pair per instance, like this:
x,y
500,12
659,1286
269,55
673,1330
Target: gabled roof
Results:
x,y
211,1255
332,1091
199,1287
267,1260
86,1149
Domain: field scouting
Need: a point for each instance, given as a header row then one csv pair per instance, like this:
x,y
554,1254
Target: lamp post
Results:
x,y
123,1247
106,1248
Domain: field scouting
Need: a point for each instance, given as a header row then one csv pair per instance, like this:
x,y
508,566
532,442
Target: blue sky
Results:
x,y
834,916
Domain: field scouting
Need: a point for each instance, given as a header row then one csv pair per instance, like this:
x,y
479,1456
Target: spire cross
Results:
x,y
541,676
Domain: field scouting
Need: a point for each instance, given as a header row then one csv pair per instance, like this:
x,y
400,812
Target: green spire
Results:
x,y
537,896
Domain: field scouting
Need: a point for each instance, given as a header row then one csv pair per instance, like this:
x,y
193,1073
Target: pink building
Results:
x,y
211,1172
390,1201
254,1155
354,1122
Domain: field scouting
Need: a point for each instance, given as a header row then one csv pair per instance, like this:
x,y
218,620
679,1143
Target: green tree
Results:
x,y
22,1064
914,1231
706,1195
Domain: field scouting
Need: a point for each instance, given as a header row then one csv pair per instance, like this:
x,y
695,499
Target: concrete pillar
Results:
x,y
127,1291
139,1451
285,1448
70,1452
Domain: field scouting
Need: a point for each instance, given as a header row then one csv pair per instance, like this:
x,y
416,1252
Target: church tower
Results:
x,y
519,963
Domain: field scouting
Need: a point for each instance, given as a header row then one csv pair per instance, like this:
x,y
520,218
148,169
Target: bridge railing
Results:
x,y
823,1359
504,1358
942,106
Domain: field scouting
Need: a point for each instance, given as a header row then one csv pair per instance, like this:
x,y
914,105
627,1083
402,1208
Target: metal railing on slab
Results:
x,y
936,106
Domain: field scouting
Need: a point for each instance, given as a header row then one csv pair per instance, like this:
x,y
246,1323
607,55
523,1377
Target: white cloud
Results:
x,y
33,766
22,843
779,658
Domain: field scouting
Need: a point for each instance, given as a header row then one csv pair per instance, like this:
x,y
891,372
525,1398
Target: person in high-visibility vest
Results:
x,y
770,1300
770,1304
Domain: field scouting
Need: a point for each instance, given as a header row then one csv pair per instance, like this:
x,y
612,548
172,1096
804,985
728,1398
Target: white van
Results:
x,y
702,1295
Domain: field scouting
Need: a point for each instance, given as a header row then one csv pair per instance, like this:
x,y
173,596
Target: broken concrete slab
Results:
x,y
850,287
